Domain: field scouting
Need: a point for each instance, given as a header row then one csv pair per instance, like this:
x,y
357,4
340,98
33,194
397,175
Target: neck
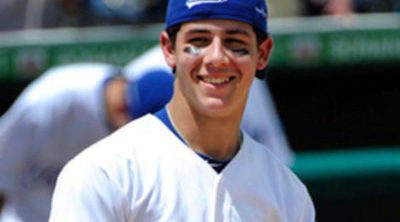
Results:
x,y
216,137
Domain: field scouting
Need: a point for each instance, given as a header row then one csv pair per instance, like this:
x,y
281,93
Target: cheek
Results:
x,y
247,64
244,58
189,63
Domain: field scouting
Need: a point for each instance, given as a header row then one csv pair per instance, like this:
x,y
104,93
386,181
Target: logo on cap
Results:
x,y
191,3
261,11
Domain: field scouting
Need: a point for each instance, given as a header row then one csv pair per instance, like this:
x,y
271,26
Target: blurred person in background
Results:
x,y
131,11
59,114
64,13
12,14
347,7
284,8
39,14
338,7
327,7
365,6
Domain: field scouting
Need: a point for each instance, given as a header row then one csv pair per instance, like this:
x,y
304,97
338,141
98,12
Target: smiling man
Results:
x,y
190,161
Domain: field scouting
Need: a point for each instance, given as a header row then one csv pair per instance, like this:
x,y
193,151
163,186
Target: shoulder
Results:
x,y
125,144
273,166
88,179
122,145
279,181
116,159
114,171
260,150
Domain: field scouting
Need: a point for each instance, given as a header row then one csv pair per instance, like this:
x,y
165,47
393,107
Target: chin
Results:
x,y
216,107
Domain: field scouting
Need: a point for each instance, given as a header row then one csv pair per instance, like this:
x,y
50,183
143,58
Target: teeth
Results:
x,y
216,80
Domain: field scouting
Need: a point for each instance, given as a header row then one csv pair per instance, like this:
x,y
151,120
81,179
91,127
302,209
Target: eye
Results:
x,y
199,41
237,46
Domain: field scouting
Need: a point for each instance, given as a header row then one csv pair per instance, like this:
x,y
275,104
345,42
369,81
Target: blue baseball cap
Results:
x,y
150,92
253,12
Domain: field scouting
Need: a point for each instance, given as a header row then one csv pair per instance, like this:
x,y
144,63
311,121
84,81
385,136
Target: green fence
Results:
x,y
299,42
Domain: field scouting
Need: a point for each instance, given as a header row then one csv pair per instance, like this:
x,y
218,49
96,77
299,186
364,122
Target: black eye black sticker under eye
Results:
x,y
240,52
193,50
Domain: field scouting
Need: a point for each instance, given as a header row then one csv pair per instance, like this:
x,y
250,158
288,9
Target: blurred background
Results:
x,y
334,76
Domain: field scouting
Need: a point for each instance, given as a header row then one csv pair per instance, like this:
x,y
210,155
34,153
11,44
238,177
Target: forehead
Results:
x,y
218,26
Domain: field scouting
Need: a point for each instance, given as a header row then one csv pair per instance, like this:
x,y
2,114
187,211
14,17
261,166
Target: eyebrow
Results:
x,y
238,32
230,32
198,31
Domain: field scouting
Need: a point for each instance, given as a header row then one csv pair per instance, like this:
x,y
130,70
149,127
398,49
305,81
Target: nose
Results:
x,y
215,54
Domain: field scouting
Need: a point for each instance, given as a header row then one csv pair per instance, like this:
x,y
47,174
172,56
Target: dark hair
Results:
x,y
260,35
173,32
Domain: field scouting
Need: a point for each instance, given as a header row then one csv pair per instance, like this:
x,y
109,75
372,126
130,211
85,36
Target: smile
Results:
x,y
216,81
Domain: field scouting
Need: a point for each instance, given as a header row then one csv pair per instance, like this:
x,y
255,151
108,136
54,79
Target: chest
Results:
x,y
196,193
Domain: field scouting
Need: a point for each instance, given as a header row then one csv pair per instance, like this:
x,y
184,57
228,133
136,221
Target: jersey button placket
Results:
x,y
223,203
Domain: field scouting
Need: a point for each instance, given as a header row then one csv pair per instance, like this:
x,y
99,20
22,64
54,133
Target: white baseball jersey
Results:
x,y
55,118
260,119
143,172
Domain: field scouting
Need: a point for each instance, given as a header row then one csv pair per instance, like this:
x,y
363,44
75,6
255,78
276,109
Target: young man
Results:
x,y
64,111
260,119
190,161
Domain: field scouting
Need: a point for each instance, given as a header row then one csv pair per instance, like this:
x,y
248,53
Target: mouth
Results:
x,y
216,80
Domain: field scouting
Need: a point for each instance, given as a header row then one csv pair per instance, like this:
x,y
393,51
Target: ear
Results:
x,y
168,49
265,49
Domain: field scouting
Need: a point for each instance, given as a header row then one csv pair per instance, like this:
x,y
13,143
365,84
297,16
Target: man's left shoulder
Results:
x,y
272,165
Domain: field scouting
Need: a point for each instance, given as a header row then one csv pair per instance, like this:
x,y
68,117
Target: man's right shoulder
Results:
x,y
134,135
135,140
